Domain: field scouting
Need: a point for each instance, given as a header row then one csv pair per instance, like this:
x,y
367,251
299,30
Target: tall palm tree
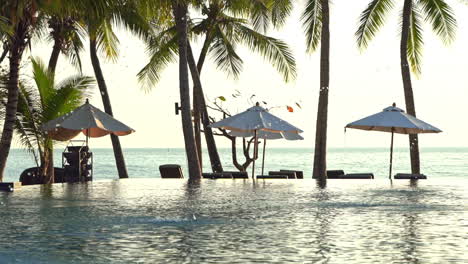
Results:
x,y
42,102
98,18
435,12
225,25
64,32
21,16
180,17
316,20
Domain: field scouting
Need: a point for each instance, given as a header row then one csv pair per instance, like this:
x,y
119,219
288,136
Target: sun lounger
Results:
x,y
272,176
290,174
409,176
171,171
299,174
335,174
238,174
222,175
357,176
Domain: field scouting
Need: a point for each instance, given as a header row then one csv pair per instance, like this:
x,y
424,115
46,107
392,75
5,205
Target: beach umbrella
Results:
x,y
394,120
87,119
267,135
256,120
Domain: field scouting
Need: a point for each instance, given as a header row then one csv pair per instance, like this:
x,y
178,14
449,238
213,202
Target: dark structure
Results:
x,y
77,162
171,171
33,176
409,176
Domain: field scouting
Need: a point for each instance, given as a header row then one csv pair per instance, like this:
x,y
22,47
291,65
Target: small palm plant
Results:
x,y
43,102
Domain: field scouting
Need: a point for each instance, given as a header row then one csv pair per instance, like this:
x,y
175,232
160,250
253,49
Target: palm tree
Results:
x,y
21,17
442,20
226,24
180,17
316,20
43,102
64,32
98,18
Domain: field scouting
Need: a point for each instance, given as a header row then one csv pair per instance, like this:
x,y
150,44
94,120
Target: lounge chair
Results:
x,y
290,174
299,174
215,175
409,176
340,174
238,174
31,176
272,176
171,171
357,176
335,174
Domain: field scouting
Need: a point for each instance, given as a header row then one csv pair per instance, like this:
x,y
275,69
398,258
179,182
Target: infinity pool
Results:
x,y
236,221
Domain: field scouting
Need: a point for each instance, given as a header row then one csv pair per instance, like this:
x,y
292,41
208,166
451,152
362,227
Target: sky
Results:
x,y
361,84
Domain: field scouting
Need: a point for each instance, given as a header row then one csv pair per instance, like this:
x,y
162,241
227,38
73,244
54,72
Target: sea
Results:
x,y
146,219
145,162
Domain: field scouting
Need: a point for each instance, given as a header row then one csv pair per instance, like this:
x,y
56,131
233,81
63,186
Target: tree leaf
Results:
x,y
290,109
222,98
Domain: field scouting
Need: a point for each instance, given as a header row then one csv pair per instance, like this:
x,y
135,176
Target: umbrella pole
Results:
x,y
263,159
254,154
391,157
87,135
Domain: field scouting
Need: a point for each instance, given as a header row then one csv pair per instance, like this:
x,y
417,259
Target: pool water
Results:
x,y
236,221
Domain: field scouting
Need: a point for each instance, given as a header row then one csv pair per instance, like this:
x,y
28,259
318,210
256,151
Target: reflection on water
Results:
x,y
226,221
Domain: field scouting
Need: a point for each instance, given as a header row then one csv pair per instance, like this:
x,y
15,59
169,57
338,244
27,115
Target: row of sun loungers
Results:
x,y
174,171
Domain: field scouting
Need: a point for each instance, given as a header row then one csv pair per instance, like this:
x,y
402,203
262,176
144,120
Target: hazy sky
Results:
x,y
361,84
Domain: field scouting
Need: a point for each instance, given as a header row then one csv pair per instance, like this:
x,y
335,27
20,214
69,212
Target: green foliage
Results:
x,y
312,22
45,101
435,12
225,25
371,20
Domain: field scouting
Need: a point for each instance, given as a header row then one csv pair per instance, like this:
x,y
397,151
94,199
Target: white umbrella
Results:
x,y
255,120
267,135
394,120
87,119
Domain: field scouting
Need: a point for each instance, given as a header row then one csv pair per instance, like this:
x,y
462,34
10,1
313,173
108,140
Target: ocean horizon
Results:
x,y
436,162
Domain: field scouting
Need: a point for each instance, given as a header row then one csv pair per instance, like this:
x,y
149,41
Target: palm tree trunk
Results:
x,y
180,15
197,109
407,86
16,52
54,56
48,165
320,152
48,162
198,93
197,123
118,154
4,52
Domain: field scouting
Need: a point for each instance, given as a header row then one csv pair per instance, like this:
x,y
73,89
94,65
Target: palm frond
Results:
x,y
5,27
128,17
415,41
44,80
224,54
371,20
70,94
260,15
107,41
163,50
312,22
442,18
280,11
276,51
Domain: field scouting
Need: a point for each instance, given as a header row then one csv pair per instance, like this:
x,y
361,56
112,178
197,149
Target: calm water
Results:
x,y
236,221
144,163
